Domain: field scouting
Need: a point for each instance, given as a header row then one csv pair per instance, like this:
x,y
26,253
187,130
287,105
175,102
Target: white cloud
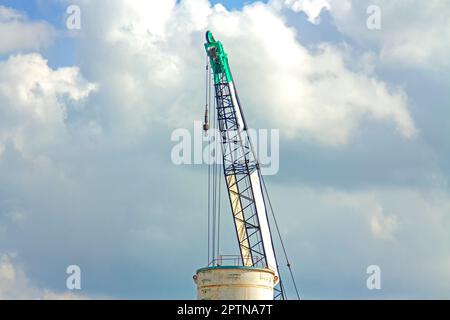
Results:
x,y
383,226
18,33
8,14
147,57
312,8
153,69
371,205
15,285
403,230
34,102
305,94
413,33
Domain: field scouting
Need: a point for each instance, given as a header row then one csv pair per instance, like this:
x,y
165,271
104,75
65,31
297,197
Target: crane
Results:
x,y
244,182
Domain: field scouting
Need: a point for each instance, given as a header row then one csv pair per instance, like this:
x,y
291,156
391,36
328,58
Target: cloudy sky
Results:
x,y
86,118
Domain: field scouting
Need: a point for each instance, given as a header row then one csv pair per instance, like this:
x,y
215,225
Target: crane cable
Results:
x,y
207,85
217,184
219,180
214,185
281,239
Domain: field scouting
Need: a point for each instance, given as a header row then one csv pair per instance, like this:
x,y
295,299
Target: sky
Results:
x,y
87,115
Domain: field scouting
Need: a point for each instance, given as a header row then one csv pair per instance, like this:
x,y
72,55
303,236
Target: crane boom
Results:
x,y
241,168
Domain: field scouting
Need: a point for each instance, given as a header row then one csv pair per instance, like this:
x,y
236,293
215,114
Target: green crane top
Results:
x,y
218,58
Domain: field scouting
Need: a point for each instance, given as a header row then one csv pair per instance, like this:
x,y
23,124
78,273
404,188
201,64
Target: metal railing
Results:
x,y
227,260
232,260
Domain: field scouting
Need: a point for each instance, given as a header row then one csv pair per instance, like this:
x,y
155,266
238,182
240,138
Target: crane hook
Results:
x,y
206,122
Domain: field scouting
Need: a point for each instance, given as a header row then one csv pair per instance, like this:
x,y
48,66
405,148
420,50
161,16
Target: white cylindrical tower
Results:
x,y
235,283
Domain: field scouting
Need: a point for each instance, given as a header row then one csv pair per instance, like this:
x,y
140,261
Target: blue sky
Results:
x,y
86,118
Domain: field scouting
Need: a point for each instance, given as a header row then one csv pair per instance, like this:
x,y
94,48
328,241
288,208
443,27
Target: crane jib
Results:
x,y
241,169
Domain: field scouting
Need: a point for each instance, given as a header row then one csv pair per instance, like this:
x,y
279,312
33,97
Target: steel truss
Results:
x,y
240,161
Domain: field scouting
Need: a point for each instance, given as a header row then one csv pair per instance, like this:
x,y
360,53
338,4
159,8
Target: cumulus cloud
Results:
x,y
412,33
383,226
309,94
371,205
156,62
15,285
147,58
17,32
312,8
400,229
34,102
